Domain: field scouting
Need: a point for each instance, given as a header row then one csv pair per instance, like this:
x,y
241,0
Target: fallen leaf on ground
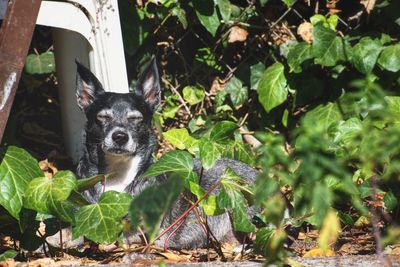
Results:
x,y
172,257
237,34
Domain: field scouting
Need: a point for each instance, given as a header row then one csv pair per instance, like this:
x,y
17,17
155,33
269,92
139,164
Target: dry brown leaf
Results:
x,y
237,34
368,5
172,257
305,32
217,86
48,168
317,252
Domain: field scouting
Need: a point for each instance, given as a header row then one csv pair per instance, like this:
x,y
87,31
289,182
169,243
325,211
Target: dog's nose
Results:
x,y
120,137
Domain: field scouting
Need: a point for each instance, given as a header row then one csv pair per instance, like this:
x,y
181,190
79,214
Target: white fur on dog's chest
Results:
x,y
126,169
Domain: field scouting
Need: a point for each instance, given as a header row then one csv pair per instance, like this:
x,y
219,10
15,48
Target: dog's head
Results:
x,y
119,124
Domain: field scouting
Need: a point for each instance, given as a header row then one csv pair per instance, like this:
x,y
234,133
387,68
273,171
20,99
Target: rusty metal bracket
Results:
x,y
15,37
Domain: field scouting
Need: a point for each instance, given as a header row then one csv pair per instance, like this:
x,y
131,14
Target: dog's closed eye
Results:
x,y
134,116
104,115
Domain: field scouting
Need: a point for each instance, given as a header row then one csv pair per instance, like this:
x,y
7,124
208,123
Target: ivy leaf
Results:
x,y
49,195
365,54
173,161
256,72
297,55
40,64
9,254
327,47
236,91
225,9
153,203
42,193
347,131
193,95
390,58
222,131
241,220
17,169
210,152
181,139
101,222
272,89
324,115
231,197
207,15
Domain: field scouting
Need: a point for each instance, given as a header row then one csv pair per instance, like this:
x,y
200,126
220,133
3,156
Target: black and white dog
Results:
x,y
119,138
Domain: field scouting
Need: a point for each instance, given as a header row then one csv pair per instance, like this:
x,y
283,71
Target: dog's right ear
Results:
x,y
88,87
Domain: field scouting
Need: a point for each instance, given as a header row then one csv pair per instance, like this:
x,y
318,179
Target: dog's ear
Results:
x,y
148,85
88,87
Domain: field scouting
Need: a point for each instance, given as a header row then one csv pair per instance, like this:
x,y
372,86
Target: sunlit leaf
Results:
x,y
40,64
389,59
101,222
272,89
17,169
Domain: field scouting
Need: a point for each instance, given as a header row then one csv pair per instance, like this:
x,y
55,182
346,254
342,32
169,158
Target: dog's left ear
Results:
x,y
148,85
88,87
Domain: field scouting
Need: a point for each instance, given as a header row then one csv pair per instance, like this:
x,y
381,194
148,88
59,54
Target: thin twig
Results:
x,y
143,235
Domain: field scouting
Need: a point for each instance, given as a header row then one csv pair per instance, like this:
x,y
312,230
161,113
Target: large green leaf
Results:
x,y
101,222
222,131
389,59
193,95
17,169
180,138
42,193
210,152
49,195
173,161
272,89
237,92
297,55
365,54
327,47
207,15
256,72
40,64
153,203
